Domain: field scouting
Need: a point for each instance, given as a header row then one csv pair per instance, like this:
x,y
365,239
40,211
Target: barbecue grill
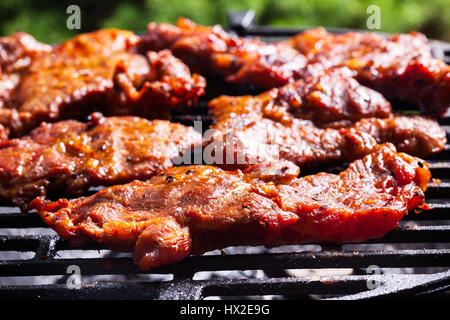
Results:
x,y
411,261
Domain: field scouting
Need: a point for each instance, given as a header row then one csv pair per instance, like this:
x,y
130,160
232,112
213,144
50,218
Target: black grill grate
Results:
x,y
420,245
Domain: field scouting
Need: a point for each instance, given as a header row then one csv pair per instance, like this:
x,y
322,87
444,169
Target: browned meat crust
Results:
x,y
415,135
18,50
239,143
234,145
71,156
253,129
401,67
212,50
4,133
321,96
16,53
99,70
194,209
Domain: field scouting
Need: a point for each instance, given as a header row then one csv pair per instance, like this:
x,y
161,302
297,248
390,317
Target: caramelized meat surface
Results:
x,y
194,209
364,201
212,50
251,129
415,135
238,145
70,156
18,50
16,53
400,67
99,70
321,96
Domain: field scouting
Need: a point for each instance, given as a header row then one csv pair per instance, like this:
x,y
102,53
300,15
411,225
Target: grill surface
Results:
x,y
414,258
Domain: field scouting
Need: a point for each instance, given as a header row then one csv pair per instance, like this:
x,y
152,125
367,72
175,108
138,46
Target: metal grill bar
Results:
x,y
44,265
331,286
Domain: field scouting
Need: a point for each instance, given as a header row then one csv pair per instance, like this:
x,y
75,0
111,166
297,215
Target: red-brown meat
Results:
x,y
70,156
240,144
212,50
401,67
99,70
16,53
251,129
321,96
415,135
18,50
194,209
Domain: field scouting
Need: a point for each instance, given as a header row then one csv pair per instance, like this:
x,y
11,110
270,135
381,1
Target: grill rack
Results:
x,y
433,227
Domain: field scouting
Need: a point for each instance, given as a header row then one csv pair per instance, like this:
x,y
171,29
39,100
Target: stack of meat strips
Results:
x,y
327,100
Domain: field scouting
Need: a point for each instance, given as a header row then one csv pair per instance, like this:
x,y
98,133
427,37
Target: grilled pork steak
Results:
x,y
401,67
253,129
194,209
70,156
211,50
98,70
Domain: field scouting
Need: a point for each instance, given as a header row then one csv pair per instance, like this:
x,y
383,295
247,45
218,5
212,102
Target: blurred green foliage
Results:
x,y
46,19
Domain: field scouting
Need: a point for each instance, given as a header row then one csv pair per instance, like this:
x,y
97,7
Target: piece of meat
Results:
x,y
247,134
18,50
400,67
16,53
71,156
238,145
194,209
4,133
415,135
99,70
212,50
363,202
276,171
323,95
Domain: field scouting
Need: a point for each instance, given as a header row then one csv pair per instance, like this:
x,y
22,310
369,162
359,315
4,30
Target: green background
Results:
x,y
46,20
